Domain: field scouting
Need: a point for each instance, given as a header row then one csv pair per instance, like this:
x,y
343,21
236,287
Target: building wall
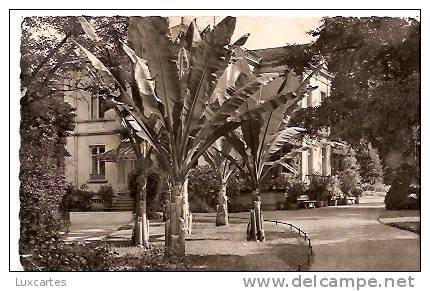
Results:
x,y
318,159
92,130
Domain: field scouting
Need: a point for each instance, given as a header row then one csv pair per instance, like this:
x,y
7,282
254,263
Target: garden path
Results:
x,y
350,238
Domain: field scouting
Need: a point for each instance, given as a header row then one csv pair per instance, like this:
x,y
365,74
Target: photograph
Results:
x,y
218,141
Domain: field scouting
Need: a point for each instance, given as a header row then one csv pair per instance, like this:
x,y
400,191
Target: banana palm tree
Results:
x,y
215,156
167,100
259,139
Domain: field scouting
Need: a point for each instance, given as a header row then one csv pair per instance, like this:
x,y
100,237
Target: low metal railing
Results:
x,y
306,238
300,231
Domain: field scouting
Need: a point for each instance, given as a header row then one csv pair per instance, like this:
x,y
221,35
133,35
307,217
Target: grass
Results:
x,y
402,216
399,213
414,226
211,248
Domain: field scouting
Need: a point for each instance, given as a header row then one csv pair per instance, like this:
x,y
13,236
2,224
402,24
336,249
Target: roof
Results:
x,y
268,55
279,56
177,29
124,151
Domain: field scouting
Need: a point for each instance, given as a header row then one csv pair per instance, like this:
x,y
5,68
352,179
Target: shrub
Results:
x,y
268,183
318,185
200,206
240,207
107,194
97,256
371,170
76,256
294,189
397,193
154,258
403,195
203,186
154,194
357,191
77,199
323,187
333,187
349,175
244,184
43,130
381,188
275,182
285,181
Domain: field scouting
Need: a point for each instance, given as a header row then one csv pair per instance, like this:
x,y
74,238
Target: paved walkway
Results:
x,y
95,225
351,238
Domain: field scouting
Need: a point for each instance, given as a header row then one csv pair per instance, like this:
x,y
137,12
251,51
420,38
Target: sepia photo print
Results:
x,y
221,142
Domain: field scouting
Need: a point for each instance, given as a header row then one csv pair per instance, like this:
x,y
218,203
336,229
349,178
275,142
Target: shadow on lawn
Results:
x,y
277,258
413,226
278,253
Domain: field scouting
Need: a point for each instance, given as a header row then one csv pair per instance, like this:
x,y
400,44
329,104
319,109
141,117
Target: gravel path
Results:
x,y
89,226
351,238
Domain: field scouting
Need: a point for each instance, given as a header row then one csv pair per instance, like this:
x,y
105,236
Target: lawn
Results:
x,y
211,248
399,213
403,219
414,226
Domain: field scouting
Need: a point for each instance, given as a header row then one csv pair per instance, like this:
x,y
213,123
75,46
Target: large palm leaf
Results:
x,y
216,158
150,37
263,130
208,59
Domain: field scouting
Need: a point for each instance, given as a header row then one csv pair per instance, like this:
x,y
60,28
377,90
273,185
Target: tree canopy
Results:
x,y
376,87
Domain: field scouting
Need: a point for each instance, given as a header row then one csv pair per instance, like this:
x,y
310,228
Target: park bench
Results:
x,y
304,202
350,200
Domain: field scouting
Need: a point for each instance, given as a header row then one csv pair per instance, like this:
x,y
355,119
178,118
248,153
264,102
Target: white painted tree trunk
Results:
x,y
187,214
141,224
259,221
258,217
222,210
175,229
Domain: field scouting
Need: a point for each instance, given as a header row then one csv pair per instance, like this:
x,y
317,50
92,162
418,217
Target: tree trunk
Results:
x,y
175,229
252,229
141,223
222,210
258,216
186,206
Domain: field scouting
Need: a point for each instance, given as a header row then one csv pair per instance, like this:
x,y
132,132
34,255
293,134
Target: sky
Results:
x,y
266,31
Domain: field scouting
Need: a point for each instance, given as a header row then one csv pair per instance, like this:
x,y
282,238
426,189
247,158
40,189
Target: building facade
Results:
x,y
96,131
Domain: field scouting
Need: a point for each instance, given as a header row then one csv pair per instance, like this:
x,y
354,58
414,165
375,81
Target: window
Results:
x,y
97,109
309,100
323,95
97,167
